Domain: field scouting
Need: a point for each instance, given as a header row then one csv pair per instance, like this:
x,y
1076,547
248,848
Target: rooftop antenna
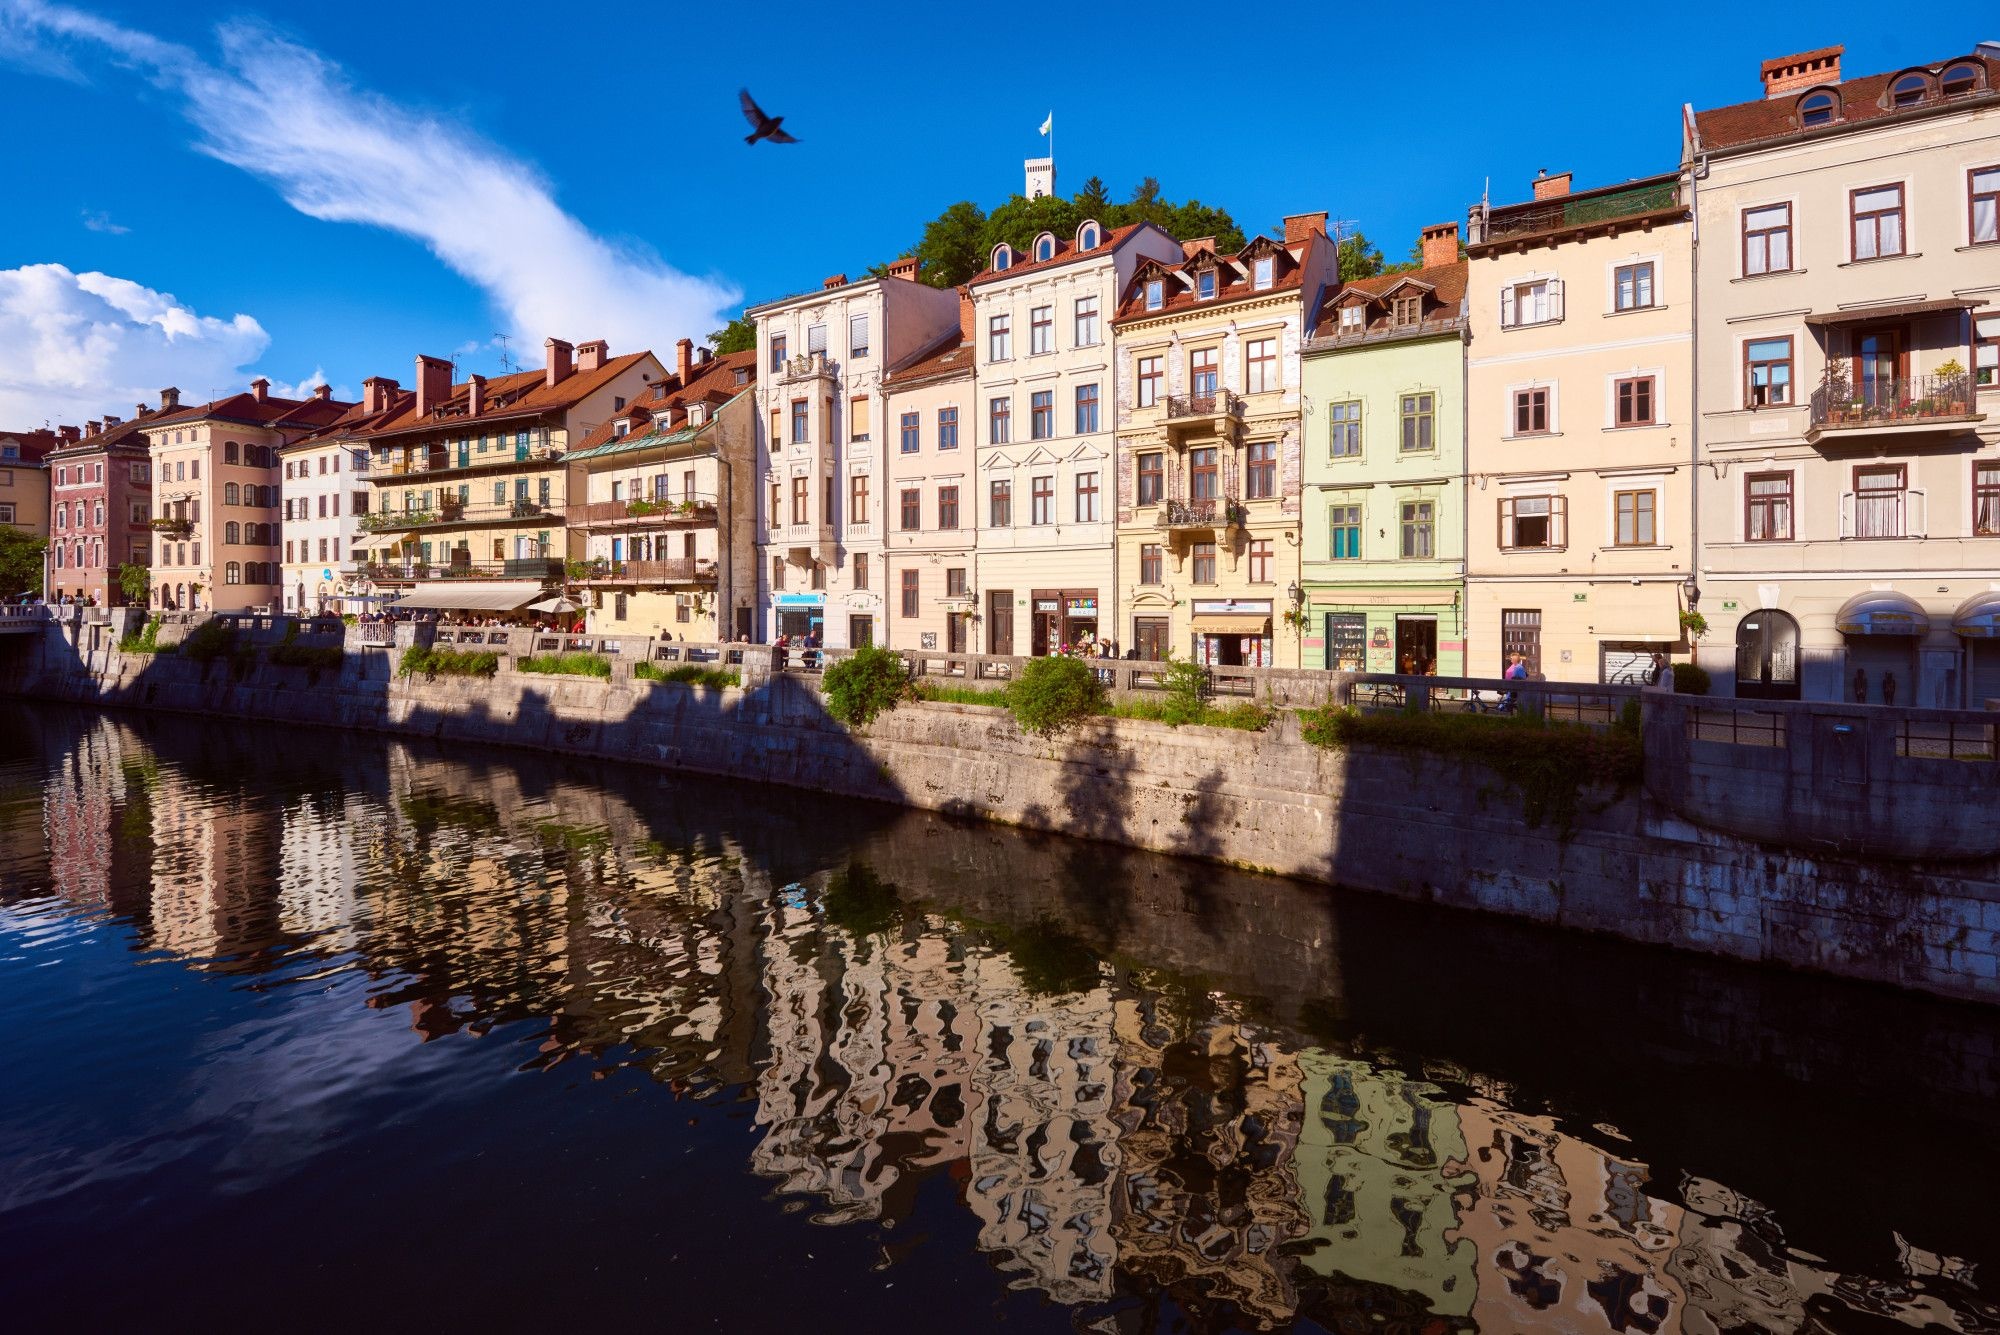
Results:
x,y
506,357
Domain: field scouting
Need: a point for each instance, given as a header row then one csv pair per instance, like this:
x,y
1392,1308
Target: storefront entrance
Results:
x,y
1063,619
1232,632
1416,645
797,623
1152,637
1767,656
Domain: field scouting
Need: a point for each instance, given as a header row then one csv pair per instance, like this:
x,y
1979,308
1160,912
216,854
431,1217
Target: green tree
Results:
x,y
951,247
1093,201
1019,221
20,562
739,335
1359,258
136,583
1194,219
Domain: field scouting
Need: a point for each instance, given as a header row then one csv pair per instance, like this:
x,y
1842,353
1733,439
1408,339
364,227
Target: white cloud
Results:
x,y
99,221
83,344
344,154
303,388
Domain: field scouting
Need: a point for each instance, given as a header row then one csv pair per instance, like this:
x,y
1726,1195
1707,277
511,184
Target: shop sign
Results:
x,y
801,600
1088,605
1226,606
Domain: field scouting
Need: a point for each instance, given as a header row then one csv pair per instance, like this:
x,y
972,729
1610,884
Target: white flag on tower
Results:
x,y
1048,123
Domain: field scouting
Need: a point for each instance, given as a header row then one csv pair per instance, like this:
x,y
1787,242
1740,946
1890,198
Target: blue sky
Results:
x,y
334,189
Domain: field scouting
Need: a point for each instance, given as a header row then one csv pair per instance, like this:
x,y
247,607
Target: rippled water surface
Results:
x,y
306,1031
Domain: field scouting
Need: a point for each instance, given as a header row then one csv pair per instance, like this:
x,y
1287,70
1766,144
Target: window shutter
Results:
x,y
1506,308
1559,521
816,338
1919,513
1506,522
1846,514
1555,298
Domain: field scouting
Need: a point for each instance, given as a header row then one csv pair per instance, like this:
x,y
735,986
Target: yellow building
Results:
x,y
24,482
1579,430
929,557
470,482
663,495
1209,447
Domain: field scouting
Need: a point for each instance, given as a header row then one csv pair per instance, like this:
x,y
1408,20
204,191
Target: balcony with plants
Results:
x,y
658,511
1844,405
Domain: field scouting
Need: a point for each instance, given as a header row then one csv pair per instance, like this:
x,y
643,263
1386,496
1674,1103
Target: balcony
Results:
x,y
667,512
1193,415
454,511
1901,405
173,527
1189,516
548,570
671,570
1593,211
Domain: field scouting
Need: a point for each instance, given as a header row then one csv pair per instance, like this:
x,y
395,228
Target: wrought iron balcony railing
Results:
x,y
1841,405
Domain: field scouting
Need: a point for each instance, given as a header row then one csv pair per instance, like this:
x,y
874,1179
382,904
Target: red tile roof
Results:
x,y
1441,310
1862,100
356,421
1231,285
126,435
1065,252
521,394
712,383
247,408
950,355
35,445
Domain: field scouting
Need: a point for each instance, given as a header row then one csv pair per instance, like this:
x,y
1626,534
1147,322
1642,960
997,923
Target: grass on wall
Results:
x,y
566,665
688,674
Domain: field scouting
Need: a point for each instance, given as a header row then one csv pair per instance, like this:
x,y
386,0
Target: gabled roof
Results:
x,y
1066,253
1441,286
249,410
1235,278
35,445
521,394
710,383
129,435
951,355
356,421
1861,101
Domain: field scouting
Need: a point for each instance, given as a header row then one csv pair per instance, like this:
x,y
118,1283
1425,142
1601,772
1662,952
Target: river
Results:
x,y
313,1030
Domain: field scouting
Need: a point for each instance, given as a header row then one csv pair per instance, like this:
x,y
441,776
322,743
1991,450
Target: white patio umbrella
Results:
x,y
557,605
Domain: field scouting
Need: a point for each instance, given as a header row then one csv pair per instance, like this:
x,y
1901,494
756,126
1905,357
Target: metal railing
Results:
x,y
1557,215
1839,404
667,570
1225,510
1221,403
1946,739
663,510
547,569
1737,726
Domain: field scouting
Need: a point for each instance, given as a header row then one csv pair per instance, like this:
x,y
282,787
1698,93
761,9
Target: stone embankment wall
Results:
x,y
1420,827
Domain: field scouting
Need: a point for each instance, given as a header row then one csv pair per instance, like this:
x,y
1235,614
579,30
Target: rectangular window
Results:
x,y
999,338
908,436
999,421
1260,561
1767,239
1531,412
1042,414
1352,318
1260,473
1634,510
1419,422
776,513
1202,373
1151,567
1632,286
1419,525
1986,498
1986,350
1204,562
1407,312
910,594
857,498
1086,322
1344,529
1086,498
1204,284
1152,478
778,572
801,421
948,507
1983,205
1000,505
816,338
1086,409
1204,474
912,510
1260,274
777,361
948,428
1634,401
1155,294
1877,215
857,335
1042,500
954,582
800,513
1532,521
861,570
1344,430
1767,372
1042,329
858,423
1149,382
1260,365
1879,501
1538,301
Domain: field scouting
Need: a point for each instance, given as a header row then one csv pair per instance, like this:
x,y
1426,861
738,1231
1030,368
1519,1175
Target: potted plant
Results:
x,y
1694,626
1952,375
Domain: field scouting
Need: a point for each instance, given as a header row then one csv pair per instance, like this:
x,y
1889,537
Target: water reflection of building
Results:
x,y
215,859
80,799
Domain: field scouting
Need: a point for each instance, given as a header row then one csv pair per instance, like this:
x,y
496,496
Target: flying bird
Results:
x,y
761,126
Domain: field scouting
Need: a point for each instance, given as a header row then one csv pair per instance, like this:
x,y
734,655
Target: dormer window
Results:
x,y
1261,272
1003,256
1960,78
619,431
1407,311
1818,109
1045,247
1204,285
694,414
1086,236
1350,319
1908,91
1156,294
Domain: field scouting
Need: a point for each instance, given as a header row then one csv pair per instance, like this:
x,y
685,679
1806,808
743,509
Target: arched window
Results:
x,y
1003,255
232,573
1767,655
1086,235
231,494
1045,247
232,535
166,594
1908,90
1960,78
1818,109
229,451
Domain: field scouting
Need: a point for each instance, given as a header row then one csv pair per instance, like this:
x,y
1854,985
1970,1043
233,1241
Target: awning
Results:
x,y
1882,612
1236,623
470,596
1896,311
1978,617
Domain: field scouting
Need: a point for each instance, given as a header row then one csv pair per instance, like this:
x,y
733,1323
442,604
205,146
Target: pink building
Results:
x,y
100,507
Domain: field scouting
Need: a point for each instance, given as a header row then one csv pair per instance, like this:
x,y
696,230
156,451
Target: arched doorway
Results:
x,y
1767,655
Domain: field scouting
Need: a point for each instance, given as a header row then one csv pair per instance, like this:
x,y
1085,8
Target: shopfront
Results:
x,y
1371,631
1977,623
1881,629
1232,632
1061,619
802,614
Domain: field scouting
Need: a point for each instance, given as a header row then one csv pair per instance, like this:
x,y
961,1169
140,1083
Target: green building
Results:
x,y
1384,510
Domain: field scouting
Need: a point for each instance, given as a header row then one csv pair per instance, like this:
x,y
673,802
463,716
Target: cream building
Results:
x,y
1579,430
323,494
1210,449
929,554
1048,567
1850,382
820,460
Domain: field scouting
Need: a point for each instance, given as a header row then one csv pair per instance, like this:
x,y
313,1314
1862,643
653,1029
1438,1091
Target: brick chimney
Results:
x,y
906,268
837,280
170,398
323,392
1551,187
376,392
968,323
91,428
703,356
110,421
1788,74
591,356
433,384
1193,247
69,434
140,410
684,359
260,389
558,366
475,395
1440,241
1299,226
